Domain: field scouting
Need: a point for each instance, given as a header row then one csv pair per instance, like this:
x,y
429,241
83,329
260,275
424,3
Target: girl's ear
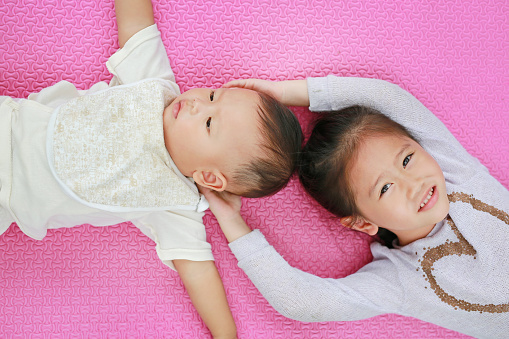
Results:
x,y
214,180
359,224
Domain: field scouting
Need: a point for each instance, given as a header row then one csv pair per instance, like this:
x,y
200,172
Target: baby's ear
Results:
x,y
359,224
214,180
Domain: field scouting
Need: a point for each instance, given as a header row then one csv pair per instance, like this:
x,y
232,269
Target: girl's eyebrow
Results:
x,y
372,189
400,153
396,160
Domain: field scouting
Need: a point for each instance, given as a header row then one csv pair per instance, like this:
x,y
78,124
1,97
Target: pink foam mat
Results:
x,y
108,282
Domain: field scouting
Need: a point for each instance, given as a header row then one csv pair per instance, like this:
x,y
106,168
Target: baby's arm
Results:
x,y
132,16
205,288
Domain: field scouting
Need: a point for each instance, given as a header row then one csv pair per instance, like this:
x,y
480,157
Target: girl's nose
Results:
x,y
413,186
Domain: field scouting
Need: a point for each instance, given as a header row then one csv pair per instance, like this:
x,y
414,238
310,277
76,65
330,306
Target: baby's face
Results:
x,y
207,129
399,186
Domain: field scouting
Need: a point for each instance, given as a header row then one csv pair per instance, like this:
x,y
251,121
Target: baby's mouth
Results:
x,y
427,198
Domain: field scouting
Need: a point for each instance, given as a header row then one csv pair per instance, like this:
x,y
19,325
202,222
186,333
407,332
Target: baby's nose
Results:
x,y
199,107
195,106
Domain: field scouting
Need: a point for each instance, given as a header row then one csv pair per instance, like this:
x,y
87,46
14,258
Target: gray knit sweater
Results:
x,y
457,277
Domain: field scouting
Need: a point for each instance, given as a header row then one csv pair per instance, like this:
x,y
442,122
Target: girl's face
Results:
x,y
397,185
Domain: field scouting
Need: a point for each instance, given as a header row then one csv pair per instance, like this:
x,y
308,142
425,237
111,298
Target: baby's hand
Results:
x,y
226,208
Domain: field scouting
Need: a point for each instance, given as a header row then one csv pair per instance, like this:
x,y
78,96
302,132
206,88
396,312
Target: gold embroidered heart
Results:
x,y
461,247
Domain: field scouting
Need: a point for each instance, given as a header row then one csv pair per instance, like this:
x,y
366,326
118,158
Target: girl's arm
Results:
x,y
333,93
132,16
205,288
288,92
297,294
226,208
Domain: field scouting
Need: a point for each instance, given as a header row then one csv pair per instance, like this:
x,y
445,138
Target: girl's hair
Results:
x,y
330,152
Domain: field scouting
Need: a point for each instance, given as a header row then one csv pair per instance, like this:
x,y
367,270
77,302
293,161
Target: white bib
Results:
x,y
107,150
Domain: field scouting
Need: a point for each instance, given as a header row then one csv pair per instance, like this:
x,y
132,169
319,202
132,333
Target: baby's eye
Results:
x,y
385,188
212,96
209,120
407,160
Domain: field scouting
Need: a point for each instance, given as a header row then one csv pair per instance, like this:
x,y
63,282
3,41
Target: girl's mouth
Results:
x,y
429,200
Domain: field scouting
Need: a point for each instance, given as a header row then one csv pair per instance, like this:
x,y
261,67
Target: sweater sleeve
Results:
x,y
334,93
305,297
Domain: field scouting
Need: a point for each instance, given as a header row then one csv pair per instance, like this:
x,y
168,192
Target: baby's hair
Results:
x,y
331,150
281,141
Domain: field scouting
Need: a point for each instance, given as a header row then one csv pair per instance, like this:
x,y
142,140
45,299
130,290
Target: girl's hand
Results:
x,y
224,205
274,89
288,92
226,208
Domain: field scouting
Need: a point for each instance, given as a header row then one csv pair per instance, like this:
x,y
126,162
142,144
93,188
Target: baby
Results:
x,y
133,150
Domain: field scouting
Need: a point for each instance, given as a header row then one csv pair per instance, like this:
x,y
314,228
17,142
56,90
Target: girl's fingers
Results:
x,y
203,190
235,83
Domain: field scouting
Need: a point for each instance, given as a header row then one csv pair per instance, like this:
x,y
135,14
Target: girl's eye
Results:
x,y
407,160
209,120
385,188
212,96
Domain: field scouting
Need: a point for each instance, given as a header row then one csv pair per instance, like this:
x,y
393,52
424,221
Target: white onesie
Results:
x,y
89,178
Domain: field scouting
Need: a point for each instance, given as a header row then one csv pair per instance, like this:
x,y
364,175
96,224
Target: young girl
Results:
x,y
133,150
450,260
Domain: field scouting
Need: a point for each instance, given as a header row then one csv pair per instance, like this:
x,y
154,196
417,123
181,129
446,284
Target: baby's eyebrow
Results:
x,y
218,92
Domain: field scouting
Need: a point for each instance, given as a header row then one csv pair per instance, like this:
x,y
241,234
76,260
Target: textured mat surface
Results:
x,y
108,282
